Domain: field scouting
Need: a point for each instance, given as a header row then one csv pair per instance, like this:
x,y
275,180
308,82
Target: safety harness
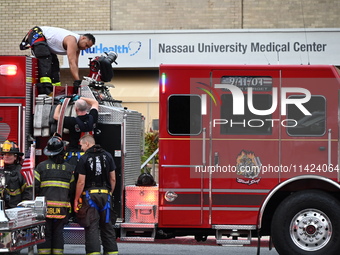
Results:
x,y
106,208
70,154
94,154
33,36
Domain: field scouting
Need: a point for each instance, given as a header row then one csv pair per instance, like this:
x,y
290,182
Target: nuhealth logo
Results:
x,y
132,48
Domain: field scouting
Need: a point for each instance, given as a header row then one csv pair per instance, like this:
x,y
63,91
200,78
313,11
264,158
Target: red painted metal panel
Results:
x,y
233,196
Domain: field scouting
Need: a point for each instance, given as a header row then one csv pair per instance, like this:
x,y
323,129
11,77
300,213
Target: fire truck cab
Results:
x,y
250,151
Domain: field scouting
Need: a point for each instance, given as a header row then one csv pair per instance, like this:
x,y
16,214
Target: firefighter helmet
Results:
x,y
145,179
10,147
55,146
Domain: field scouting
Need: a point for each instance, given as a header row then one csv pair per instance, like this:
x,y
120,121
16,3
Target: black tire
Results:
x,y
307,223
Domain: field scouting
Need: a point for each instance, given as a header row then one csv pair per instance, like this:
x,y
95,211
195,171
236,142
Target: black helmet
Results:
x,y
10,147
55,146
145,179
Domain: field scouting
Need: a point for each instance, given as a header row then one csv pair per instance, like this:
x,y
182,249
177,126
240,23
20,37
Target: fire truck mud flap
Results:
x,y
306,222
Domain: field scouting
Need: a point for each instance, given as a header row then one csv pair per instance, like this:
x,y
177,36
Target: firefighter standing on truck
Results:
x,y
84,123
48,42
55,180
13,184
95,185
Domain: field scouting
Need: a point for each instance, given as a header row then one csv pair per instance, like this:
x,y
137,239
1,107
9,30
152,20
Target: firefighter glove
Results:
x,y
75,97
61,100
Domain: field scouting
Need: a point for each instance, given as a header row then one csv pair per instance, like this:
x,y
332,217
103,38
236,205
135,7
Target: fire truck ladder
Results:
x,y
233,234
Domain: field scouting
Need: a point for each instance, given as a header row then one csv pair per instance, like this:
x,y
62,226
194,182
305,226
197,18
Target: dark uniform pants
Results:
x,y
98,226
48,63
54,237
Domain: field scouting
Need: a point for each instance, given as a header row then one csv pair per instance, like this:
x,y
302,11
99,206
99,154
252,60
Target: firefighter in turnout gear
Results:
x,y
93,199
14,187
48,42
54,179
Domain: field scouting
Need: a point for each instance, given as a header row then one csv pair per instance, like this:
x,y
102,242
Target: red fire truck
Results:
x,y
244,152
251,151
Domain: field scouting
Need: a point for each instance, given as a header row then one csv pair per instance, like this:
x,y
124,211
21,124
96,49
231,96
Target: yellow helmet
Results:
x,y
10,147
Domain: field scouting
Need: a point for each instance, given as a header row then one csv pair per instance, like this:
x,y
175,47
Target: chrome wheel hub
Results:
x,y
310,229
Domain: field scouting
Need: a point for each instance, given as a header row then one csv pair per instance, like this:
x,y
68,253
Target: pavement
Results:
x,y
70,249
76,249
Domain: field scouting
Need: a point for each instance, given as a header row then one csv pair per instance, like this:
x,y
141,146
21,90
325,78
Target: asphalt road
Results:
x,y
172,247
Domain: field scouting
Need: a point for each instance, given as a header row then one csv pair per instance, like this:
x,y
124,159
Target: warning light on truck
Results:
x,y
8,69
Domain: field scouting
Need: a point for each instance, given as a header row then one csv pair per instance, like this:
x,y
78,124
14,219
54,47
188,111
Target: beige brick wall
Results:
x,y
17,17
291,13
175,14
224,14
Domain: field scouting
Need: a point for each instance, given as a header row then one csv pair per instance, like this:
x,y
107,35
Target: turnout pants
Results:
x,y
48,63
54,237
98,226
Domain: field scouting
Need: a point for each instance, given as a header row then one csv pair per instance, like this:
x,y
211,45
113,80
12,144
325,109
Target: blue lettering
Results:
x,y
100,49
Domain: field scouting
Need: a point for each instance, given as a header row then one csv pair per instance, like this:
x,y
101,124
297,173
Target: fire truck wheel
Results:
x,y
307,222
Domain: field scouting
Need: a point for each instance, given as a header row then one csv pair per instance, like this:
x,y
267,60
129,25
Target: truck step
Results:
x,y
233,234
233,242
137,239
238,227
137,232
137,225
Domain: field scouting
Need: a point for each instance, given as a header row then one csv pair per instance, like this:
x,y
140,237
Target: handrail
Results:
x,y
203,147
329,156
152,156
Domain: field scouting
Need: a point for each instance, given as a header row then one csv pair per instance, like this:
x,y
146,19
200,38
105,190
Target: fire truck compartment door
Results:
x,y
182,195
10,122
310,145
245,137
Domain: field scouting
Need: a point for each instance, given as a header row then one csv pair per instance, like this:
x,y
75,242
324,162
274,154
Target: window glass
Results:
x,y
185,116
249,123
307,125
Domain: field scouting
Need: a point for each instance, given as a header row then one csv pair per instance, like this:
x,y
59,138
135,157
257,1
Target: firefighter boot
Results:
x,y
47,85
48,89
44,88
76,86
